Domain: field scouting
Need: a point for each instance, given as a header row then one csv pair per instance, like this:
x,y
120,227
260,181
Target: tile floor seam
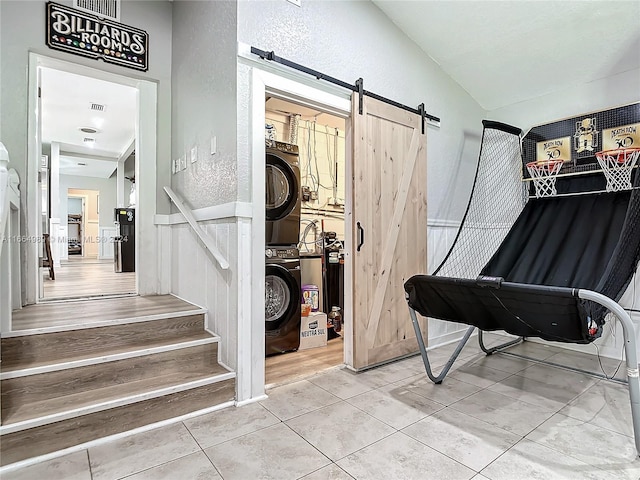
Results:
x,y
342,399
585,422
239,436
89,463
366,446
574,457
311,445
156,466
89,460
318,469
506,396
441,453
477,419
215,467
364,411
499,456
457,412
303,413
593,375
202,450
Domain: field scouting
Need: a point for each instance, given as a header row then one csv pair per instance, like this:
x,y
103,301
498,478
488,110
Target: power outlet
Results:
x,y
306,194
175,165
183,162
314,195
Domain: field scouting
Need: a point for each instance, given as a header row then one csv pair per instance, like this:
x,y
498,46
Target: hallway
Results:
x,y
87,277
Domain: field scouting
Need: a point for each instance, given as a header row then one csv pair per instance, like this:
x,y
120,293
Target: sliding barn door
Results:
x,y
390,227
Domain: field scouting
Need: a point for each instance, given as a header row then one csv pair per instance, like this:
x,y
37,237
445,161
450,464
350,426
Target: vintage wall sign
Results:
x,y
554,149
88,35
627,136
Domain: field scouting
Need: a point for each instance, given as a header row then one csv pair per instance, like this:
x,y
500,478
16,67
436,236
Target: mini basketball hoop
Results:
x,y
544,176
617,166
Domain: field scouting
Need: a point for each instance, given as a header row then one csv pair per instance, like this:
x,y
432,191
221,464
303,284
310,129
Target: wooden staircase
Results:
x,y
66,385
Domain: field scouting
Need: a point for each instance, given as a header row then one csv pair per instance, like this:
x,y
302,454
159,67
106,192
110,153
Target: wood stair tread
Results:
x,y
25,362
44,315
45,386
48,438
31,410
54,347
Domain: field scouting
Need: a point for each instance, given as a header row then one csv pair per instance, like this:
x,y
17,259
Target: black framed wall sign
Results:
x,y
88,35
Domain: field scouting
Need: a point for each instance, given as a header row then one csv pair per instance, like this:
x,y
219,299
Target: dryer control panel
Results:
x,y
282,252
282,146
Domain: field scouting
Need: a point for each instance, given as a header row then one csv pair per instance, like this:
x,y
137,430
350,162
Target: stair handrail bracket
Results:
x,y
200,232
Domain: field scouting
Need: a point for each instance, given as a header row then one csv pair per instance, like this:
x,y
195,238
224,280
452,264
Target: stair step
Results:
x,y
57,393
79,371
66,433
71,315
32,351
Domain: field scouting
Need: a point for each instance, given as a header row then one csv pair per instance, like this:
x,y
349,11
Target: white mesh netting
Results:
x,y
497,199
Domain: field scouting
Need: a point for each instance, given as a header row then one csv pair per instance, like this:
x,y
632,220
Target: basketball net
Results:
x,y
544,176
617,166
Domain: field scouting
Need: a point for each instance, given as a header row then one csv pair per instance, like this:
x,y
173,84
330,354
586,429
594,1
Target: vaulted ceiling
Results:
x,y
505,52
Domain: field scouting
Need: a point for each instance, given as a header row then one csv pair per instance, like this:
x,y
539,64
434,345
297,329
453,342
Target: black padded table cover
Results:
x,y
551,313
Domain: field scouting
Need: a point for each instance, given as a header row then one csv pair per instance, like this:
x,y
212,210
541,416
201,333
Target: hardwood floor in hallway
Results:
x,y
88,277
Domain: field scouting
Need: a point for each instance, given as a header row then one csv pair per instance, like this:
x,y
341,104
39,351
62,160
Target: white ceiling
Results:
x,y
505,52
284,107
66,102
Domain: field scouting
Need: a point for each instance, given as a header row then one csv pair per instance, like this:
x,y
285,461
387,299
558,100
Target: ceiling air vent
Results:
x,y
102,8
97,107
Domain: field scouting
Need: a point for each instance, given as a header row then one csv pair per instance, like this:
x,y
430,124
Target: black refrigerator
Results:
x,y
124,255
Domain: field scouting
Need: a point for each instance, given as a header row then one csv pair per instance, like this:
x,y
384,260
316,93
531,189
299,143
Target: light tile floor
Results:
x,y
496,418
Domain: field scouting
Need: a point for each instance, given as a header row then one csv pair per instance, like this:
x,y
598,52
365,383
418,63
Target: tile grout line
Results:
x,y
202,450
89,463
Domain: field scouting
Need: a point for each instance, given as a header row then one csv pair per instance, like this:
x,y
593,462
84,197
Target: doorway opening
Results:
x,y
88,141
317,149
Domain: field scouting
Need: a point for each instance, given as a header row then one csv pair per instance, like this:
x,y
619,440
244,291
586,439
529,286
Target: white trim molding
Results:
x,y
264,79
215,212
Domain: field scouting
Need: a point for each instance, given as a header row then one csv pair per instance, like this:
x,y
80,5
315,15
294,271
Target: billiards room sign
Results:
x,y
88,35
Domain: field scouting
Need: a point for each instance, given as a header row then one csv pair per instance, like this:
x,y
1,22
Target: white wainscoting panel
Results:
x,y
440,237
197,278
105,242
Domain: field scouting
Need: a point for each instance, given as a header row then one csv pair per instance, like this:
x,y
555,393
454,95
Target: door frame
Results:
x,y
267,80
83,227
147,269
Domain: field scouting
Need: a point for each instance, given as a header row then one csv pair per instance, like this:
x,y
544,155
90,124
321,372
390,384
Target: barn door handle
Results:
x,y
361,235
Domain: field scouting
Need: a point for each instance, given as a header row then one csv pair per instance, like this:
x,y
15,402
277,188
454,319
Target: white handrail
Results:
x,y
4,192
199,231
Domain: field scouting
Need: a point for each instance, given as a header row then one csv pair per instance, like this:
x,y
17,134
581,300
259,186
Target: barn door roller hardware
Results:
x,y
358,87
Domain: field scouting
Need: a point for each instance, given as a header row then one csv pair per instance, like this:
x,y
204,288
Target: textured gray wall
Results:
x,y
204,100
22,30
352,39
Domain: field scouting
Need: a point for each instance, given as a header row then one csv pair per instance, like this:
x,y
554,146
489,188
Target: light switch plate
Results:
x,y
183,162
214,145
194,154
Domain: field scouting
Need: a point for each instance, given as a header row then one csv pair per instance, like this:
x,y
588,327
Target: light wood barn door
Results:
x,y
390,215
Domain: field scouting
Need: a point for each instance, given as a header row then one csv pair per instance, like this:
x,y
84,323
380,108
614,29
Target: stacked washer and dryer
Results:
x,y
282,268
